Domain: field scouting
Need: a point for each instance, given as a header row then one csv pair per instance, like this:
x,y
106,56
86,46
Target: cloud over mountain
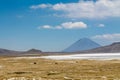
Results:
x,y
107,37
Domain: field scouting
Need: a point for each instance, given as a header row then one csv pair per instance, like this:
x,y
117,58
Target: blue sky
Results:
x,y
53,25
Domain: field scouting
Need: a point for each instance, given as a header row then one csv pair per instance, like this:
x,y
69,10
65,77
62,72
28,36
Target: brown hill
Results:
x,y
34,51
113,48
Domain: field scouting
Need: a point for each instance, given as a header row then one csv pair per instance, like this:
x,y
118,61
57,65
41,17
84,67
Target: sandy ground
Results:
x,y
37,68
0,66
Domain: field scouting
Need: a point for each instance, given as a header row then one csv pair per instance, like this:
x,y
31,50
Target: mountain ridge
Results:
x,y
112,48
13,52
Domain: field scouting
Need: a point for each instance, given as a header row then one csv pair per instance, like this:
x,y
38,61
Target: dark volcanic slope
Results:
x,y
113,48
8,52
82,44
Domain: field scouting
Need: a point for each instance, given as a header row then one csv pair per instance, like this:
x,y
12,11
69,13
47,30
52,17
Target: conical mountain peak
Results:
x,y
82,44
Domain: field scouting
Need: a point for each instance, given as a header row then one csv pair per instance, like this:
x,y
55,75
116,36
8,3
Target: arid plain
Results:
x,y
12,68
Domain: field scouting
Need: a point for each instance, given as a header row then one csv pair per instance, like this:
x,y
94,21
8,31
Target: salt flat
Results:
x,y
90,56
96,56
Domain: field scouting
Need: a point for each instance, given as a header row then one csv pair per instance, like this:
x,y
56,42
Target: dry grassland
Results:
x,y
43,69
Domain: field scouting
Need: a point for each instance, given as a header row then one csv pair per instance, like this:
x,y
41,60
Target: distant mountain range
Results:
x,y
12,52
82,44
113,48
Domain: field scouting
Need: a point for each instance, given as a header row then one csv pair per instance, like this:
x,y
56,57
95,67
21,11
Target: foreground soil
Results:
x,y
12,68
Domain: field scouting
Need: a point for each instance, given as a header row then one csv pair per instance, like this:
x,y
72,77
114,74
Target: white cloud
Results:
x,y
40,6
107,39
45,27
66,25
86,9
111,37
101,25
74,25
58,27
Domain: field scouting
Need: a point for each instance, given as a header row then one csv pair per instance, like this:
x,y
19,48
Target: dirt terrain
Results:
x,y
12,68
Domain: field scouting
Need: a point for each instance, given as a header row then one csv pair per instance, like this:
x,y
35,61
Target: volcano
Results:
x,y
82,44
